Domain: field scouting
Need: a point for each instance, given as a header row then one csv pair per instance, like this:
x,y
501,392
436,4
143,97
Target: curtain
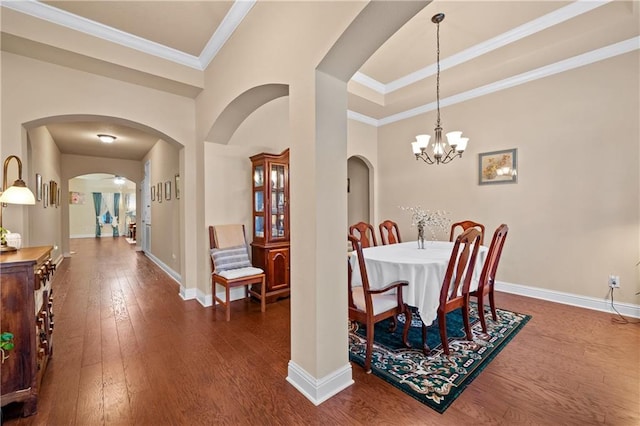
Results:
x,y
116,214
107,204
97,205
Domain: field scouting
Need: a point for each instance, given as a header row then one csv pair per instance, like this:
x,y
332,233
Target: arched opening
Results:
x,y
116,206
359,195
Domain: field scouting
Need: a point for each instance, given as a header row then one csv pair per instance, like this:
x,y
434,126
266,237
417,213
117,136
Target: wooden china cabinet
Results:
x,y
270,246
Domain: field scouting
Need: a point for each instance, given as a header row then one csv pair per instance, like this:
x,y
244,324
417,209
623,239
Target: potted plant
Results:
x,y
6,344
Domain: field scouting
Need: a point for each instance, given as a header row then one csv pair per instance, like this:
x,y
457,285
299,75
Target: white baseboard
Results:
x,y
206,300
109,235
173,274
319,390
188,293
604,305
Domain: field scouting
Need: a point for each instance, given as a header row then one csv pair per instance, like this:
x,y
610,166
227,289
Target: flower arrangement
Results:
x,y
434,220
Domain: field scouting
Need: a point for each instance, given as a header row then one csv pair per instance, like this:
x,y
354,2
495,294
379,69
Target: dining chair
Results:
x,y
369,307
488,275
466,224
454,293
230,265
389,232
365,233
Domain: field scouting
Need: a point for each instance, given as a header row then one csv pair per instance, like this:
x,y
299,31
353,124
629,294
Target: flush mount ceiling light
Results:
x,y
118,180
440,151
106,138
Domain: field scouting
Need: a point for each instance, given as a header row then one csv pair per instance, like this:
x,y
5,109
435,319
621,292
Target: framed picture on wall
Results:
x,y
177,186
38,187
153,193
498,167
45,195
53,192
167,190
159,192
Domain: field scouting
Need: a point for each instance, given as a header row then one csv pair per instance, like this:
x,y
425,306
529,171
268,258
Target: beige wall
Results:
x,y
33,91
165,214
44,223
573,215
227,174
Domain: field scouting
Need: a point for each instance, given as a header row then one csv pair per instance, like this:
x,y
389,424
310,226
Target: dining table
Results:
x,y
423,268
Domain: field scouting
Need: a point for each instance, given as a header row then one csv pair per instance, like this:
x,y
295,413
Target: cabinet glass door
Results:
x,y
258,176
277,200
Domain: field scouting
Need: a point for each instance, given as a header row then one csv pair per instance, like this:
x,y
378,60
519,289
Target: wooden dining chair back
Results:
x,y
488,275
389,232
466,224
365,233
230,266
368,306
454,293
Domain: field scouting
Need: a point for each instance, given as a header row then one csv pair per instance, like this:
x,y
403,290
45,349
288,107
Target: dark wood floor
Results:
x,y
128,350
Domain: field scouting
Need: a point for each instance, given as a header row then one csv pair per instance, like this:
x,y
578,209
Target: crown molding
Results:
x,y
550,19
60,17
234,17
597,55
352,115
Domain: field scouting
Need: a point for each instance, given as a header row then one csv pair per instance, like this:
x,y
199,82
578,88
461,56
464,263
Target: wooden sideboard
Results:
x,y
26,311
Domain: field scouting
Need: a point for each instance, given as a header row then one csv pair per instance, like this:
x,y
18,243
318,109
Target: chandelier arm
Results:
x,y
449,157
425,157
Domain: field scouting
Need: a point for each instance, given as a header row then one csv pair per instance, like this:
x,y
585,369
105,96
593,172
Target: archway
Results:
x,y
359,193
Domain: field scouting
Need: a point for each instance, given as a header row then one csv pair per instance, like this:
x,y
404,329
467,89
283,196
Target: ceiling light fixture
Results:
x,y
441,151
106,138
118,180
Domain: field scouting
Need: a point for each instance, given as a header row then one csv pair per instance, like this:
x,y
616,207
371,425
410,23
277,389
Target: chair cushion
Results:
x,y
230,258
232,274
381,302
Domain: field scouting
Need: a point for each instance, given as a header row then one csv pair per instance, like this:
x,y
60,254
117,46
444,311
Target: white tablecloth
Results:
x,y
424,269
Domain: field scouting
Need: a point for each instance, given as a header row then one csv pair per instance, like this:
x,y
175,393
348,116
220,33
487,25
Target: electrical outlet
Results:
x,y
614,281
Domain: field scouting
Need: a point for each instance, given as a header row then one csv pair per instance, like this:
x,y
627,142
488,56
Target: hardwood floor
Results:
x,y
128,350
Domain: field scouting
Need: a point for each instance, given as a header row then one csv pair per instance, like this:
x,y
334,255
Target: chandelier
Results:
x,y
440,151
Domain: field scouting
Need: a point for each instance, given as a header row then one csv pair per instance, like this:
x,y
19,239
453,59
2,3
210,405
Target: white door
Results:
x,y
145,229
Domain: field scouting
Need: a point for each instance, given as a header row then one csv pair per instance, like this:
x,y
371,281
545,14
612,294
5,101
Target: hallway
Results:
x,y
129,351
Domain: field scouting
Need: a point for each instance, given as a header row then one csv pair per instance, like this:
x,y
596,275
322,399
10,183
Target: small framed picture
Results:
x,y
153,193
38,187
159,192
498,167
167,190
177,186
45,195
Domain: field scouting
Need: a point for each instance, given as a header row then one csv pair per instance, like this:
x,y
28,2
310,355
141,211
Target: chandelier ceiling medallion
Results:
x,y
440,151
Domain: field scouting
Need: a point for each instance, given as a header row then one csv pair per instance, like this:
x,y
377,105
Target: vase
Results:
x,y
420,236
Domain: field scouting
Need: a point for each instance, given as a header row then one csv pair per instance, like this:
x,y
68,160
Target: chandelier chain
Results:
x,y
438,72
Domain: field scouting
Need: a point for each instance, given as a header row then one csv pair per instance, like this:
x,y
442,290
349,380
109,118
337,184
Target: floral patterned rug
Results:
x,y
437,379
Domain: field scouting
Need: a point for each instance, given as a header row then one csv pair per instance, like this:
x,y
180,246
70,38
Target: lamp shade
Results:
x,y
18,193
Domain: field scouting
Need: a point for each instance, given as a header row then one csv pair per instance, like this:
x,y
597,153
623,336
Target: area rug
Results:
x,y
435,380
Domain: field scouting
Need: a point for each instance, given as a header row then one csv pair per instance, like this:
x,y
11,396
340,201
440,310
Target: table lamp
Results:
x,y
18,193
